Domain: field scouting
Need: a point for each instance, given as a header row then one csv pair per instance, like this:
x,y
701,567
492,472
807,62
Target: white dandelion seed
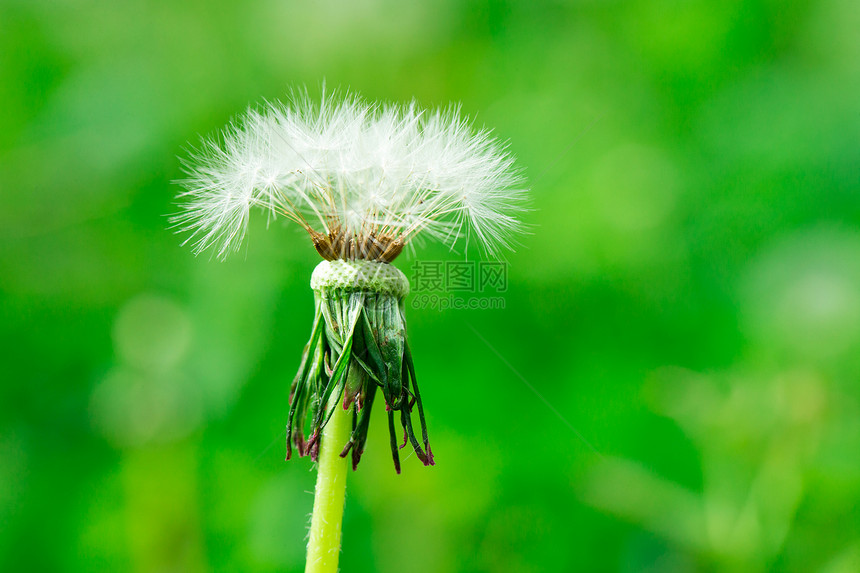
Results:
x,y
362,179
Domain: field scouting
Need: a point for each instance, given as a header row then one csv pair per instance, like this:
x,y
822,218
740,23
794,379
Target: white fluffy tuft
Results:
x,y
345,166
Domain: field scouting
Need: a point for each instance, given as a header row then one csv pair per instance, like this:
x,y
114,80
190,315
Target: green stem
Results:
x,y
324,541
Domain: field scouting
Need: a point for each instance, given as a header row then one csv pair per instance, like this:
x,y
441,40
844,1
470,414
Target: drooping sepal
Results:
x,y
358,346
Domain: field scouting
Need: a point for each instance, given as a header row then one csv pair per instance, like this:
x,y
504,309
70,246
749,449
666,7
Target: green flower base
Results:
x,y
358,346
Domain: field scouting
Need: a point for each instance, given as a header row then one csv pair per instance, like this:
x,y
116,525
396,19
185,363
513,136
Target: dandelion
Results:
x,y
365,181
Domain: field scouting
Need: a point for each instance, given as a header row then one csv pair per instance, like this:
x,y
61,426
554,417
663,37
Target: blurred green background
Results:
x,y
688,300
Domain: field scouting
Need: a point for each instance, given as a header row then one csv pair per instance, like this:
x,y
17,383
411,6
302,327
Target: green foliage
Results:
x,y
689,298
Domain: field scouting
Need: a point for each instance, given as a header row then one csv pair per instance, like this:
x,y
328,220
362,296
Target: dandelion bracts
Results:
x,y
357,347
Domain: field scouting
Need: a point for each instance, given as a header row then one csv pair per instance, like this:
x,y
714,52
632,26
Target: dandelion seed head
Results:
x,y
363,179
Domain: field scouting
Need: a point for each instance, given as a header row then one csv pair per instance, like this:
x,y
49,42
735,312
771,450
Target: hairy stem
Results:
x,y
324,541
